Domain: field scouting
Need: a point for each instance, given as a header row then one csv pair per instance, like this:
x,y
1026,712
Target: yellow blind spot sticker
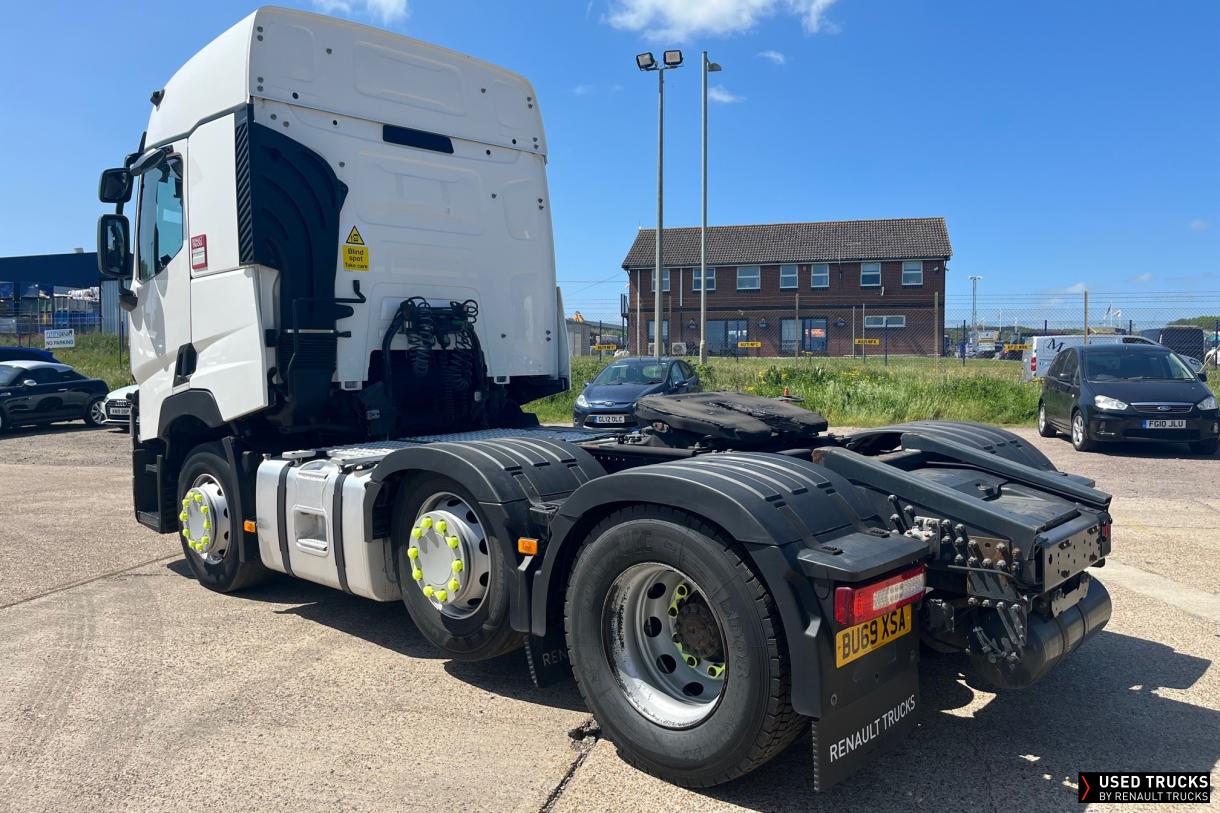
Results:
x,y
355,252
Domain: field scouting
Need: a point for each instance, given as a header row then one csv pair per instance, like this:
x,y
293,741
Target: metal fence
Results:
x,y
961,327
31,312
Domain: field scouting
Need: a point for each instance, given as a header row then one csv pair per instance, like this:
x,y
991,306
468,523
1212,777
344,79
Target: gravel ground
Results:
x,y
124,685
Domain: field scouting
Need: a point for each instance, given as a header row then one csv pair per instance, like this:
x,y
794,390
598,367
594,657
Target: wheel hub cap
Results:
x,y
447,556
205,519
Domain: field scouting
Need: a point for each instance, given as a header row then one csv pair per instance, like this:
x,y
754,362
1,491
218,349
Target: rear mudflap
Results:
x,y
852,734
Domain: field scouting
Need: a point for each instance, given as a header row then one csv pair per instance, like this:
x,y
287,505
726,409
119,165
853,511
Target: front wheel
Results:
x,y
95,415
1080,434
1044,426
210,534
677,648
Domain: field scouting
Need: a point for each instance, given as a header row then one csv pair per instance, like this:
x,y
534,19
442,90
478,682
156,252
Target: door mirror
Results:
x,y
1202,376
115,186
114,246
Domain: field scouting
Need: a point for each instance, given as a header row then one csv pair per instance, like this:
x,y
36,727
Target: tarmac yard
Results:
x,y
125,685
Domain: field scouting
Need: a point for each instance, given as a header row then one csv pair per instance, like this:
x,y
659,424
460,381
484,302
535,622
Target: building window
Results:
x,y
812,336
787,276
724,334
819,275
711,279
748,278
652,330
912,272
870,275
878,322
665,280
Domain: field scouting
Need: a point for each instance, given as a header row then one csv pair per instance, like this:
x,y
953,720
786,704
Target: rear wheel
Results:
x,y
1205,446
209,533
1044,426
453,574
1080,433
95,415
677,648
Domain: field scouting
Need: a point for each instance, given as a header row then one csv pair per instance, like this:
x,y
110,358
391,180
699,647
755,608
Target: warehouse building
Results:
x,y
784,289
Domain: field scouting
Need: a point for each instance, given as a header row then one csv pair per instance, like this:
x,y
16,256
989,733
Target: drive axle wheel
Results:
x,y
209,535
452,570
1080,434
677,648
1044,425
96,414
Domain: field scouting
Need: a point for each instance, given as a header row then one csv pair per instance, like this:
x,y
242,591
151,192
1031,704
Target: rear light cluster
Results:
x,y
1033,364
854,605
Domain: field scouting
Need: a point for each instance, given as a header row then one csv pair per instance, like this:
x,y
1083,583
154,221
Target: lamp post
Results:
x,y
974,299
646,62
708,67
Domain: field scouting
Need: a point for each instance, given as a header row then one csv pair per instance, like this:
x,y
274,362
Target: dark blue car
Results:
x,y
608,401
10,353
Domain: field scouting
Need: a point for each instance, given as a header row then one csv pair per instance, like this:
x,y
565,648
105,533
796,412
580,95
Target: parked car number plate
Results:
x,y
610,419
856,642
1164,423
119,410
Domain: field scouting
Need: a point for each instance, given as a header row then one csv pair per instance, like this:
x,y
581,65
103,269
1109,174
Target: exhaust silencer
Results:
x,y
1049,641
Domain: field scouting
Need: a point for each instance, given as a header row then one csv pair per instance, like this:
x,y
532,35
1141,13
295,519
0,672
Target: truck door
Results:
x,y
161,321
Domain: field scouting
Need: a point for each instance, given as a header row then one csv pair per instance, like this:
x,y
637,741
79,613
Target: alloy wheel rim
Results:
x,y
99,411
1078,429
665,644
205,519
447,556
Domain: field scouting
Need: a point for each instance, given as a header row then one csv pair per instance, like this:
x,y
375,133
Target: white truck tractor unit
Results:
x,y
341,290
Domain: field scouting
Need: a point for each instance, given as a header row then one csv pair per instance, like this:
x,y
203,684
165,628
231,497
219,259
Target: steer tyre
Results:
x,y
1081,441
483,633
749,718
228,573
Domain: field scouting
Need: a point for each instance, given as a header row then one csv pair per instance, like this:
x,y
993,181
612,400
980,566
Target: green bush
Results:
x,y
851,392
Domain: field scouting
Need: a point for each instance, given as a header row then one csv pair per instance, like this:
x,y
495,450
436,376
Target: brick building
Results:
x,y
808,288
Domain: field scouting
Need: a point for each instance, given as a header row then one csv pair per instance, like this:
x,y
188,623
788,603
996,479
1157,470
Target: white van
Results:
x,y
1043,349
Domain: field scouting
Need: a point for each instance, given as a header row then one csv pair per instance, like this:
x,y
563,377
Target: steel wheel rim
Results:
x,y
447,556
205,519
1077,429
98,410
665,644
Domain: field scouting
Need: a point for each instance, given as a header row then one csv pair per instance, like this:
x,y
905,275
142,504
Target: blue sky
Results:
x,y
1068,144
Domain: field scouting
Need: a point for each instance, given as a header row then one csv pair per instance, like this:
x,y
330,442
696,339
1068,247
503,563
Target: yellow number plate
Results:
x,y
856,642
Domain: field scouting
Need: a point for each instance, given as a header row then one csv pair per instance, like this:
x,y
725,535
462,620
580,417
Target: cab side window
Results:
x,y
162,226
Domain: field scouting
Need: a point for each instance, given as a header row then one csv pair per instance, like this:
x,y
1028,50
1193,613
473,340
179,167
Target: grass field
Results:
x,y
95,355
849,392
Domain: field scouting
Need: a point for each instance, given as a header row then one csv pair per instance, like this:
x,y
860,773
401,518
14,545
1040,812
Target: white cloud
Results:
x,y
1078,288
1144,277
383,11
679,20
719,93
773,56
584,90
1199,224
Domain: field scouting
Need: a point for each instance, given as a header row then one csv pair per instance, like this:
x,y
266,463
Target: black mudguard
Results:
x,y
779,509
517,481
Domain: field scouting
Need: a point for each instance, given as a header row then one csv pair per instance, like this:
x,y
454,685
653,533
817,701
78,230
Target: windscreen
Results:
x,y
633,372
1123,365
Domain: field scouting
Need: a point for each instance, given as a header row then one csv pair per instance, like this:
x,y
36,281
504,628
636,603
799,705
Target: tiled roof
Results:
x,y
841,240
